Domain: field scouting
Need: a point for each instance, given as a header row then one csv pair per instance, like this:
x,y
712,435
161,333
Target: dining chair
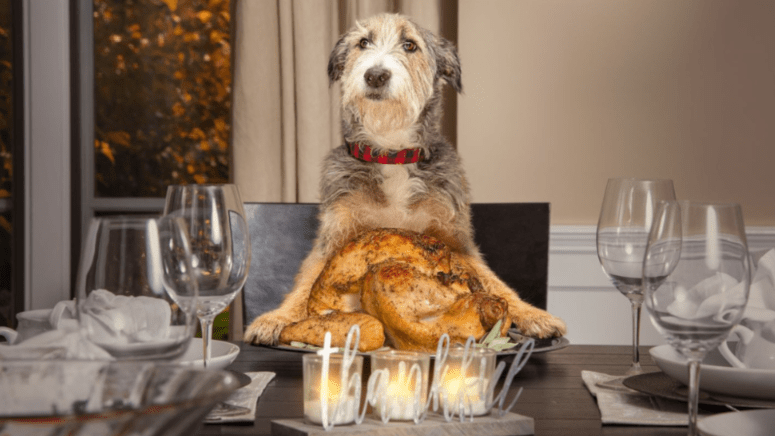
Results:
x,y
512,237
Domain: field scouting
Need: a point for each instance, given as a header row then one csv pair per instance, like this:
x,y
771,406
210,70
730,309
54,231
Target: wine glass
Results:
x,y
622,230
696,278
220,246
131,273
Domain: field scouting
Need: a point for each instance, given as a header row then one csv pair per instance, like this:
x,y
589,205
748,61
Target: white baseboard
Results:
x,y
581,293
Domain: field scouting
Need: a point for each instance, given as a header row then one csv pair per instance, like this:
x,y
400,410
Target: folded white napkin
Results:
x,y
241,405
761,299
632,407
64,315
65,341
118,319
110,319
706,298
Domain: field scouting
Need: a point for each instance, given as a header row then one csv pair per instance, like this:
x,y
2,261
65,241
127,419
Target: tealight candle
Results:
x,y
330,389
465,382
401,390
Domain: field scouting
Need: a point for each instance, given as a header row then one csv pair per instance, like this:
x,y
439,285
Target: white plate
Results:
x,y
222,354
716,375
748,423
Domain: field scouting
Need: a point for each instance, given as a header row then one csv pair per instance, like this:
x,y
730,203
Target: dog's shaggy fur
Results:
x,y
392,73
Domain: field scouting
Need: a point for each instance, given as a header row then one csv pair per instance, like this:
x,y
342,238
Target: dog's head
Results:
x,y
391,70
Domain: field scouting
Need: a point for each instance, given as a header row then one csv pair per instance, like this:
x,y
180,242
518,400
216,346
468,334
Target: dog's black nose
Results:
x,y
376,77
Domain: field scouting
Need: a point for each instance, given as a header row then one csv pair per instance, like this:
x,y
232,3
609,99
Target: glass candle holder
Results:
x,y
330,389
464,388
402,390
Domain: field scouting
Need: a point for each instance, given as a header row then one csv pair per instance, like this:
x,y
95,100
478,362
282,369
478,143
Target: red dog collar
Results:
x,y
367,154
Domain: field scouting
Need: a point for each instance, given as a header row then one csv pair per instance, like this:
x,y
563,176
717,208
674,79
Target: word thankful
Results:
x,y
463,383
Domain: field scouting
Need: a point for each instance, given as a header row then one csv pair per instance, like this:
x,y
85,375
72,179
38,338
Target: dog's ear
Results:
x,y
336,60
448,64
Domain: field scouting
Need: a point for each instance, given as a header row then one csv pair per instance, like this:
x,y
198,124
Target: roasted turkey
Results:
x,y
410,284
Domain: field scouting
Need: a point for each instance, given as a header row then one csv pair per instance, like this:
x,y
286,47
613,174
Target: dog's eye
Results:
x,y
410,46
363,43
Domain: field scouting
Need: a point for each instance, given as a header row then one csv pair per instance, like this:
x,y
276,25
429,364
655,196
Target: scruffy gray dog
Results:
x,y
395,169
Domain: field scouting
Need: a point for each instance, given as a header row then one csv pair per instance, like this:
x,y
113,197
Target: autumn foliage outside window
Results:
x,y
6,101
162,87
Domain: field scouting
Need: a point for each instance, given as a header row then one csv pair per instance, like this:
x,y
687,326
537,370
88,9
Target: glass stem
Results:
x,y
636,308
694,395
207,337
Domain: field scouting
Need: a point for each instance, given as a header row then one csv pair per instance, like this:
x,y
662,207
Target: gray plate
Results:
x,y
541,345
242,379
661,385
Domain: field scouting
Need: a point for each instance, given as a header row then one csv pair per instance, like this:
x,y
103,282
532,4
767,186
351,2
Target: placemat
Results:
x,y
633,407
241,405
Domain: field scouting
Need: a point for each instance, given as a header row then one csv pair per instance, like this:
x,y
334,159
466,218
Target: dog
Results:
x,y
395,169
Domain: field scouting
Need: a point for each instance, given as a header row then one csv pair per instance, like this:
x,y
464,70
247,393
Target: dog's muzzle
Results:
x,y
376,77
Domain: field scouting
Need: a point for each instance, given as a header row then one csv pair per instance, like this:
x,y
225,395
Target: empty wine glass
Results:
x,y
622,231
696,278
220,246
131,273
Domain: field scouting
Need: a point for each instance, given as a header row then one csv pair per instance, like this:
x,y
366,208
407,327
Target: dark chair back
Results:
x,y
512,237
514,241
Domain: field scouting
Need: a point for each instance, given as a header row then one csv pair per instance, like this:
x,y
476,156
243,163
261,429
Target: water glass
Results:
x,y
131,273
696,279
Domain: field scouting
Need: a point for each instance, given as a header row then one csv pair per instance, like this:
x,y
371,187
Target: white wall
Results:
x,y
561,95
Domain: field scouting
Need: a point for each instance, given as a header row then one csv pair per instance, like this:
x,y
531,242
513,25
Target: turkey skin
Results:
x,y
410,284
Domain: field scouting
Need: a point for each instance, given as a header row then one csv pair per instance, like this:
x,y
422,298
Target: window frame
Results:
x,y
46,170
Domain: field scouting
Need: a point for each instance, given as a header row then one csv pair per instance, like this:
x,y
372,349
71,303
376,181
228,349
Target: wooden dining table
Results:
x,y
554,394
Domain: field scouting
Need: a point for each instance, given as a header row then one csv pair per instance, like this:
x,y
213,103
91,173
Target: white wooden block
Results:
x,y
508,424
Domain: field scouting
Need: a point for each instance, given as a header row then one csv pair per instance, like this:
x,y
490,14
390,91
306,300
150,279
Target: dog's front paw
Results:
x,y
265,329
539,323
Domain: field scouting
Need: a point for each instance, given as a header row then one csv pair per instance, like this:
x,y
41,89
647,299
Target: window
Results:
x,y
162,88
154,104
155,101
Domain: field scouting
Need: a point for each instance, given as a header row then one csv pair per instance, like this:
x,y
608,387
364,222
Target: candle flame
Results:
x,y
334,390
454,381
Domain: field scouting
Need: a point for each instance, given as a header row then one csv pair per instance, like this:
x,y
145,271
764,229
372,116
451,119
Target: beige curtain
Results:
x,y
285,115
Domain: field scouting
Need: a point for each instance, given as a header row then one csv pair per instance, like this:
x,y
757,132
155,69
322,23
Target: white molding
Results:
x,y
578,239
572,239
760,238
